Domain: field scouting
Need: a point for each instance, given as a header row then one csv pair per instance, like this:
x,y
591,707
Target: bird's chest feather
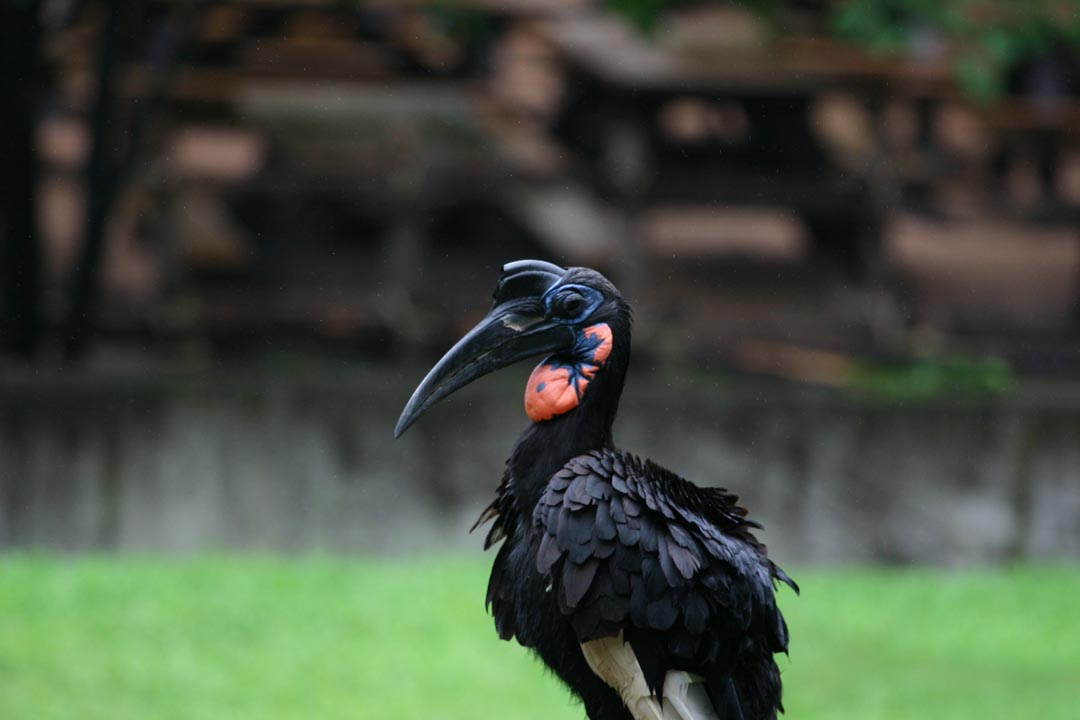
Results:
x,y
535,610
540,624
541,627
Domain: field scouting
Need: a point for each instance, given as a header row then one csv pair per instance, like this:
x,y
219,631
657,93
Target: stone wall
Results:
x,y
299,461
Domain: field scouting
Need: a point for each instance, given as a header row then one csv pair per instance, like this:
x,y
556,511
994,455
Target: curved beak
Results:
x,y
512,331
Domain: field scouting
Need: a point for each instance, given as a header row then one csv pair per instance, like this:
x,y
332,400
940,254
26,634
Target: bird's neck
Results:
x,y
545,446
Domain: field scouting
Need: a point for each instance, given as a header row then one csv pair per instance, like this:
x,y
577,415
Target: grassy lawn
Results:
x,y
237,637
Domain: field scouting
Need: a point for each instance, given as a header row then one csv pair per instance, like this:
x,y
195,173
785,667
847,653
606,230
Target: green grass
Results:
x,y
237,637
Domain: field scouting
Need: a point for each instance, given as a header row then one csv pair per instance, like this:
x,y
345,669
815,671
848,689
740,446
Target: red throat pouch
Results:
x,y
556,387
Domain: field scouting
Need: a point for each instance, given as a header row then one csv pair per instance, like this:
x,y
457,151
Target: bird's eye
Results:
x,y
572,304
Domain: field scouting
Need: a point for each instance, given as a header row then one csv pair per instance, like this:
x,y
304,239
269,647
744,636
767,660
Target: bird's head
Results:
x,y
574,315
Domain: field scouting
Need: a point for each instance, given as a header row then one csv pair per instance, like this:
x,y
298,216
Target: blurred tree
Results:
x,y
20,34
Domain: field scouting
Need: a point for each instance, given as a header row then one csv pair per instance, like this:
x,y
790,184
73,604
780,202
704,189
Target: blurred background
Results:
x,y
235,235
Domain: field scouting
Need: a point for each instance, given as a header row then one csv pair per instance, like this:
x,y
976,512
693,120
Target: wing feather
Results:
x,y
631,547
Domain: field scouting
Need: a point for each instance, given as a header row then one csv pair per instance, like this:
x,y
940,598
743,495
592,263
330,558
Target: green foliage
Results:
x,y
645,14
642,14
270,639
989,36
462,23
928,378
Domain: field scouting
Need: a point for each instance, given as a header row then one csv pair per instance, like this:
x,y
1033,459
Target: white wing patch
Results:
x,y
684,693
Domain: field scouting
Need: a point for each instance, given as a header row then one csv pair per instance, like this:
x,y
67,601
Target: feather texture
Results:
x,y
596,542
630,546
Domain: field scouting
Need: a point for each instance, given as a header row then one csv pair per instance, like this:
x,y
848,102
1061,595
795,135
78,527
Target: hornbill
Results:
x,y
647,595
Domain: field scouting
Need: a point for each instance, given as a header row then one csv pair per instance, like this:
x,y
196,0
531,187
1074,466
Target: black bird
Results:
x,y
648,595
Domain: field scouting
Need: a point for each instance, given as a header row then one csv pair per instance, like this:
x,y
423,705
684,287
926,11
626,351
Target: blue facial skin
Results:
x,y
591,295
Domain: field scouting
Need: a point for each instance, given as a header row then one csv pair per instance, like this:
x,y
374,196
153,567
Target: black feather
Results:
x,y
580,553
604,549
661,613
605,526
576,580
667,563
671,573
695,613
580,528
628,535
549,553
686,562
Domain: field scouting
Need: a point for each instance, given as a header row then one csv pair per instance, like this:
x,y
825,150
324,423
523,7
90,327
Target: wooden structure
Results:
x,y
756,144
254,145
355,120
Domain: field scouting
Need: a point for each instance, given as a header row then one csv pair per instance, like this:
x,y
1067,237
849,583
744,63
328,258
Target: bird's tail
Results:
x,y
751,692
